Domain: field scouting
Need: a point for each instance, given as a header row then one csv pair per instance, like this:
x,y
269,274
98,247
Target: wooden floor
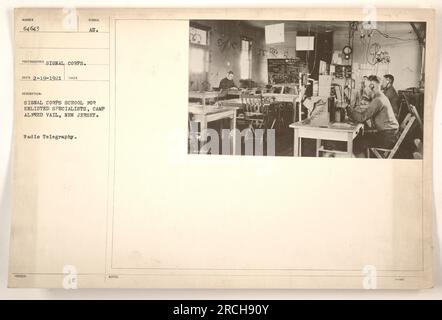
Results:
x,y
284,144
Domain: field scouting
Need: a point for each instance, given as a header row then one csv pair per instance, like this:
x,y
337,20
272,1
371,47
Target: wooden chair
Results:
x,y
254,111
418,118
411,109
254,114
405,127
278,89
419,153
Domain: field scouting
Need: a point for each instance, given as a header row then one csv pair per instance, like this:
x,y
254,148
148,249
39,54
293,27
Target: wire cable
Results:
x,y
385,35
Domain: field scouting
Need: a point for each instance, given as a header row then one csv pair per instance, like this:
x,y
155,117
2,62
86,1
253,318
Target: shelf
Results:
x,y
321,149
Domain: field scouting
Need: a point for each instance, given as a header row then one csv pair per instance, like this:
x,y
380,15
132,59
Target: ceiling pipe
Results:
x,y
421,39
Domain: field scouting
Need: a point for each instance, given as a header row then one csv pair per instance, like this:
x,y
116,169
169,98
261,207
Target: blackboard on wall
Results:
x,y
284,70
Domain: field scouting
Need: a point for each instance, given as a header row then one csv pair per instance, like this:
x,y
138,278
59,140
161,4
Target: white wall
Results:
x,y
225,51
405,56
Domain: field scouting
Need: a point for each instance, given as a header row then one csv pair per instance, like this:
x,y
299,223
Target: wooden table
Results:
x,y
203,95
345,131
282,97
206,114
278,98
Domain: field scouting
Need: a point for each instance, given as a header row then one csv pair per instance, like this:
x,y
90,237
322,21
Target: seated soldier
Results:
x,y
381,114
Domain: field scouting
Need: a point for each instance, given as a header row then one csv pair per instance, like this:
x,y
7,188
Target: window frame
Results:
x,y
203,28
205,47
249,57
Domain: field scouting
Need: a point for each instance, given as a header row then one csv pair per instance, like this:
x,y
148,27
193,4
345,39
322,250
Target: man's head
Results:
x,y
230,75
374,84
387,81
364,82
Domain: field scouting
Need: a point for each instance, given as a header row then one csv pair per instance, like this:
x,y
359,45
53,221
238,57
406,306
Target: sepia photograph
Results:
x,y
307,88
114,185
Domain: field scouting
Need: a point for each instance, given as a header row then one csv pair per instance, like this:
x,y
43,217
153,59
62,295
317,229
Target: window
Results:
x,y
198,62
199,49
246,59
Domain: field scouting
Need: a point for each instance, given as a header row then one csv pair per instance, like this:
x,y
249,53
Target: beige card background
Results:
x,y
128,207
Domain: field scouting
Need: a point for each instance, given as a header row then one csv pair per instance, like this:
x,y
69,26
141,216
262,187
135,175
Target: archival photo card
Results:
x,y
190,148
